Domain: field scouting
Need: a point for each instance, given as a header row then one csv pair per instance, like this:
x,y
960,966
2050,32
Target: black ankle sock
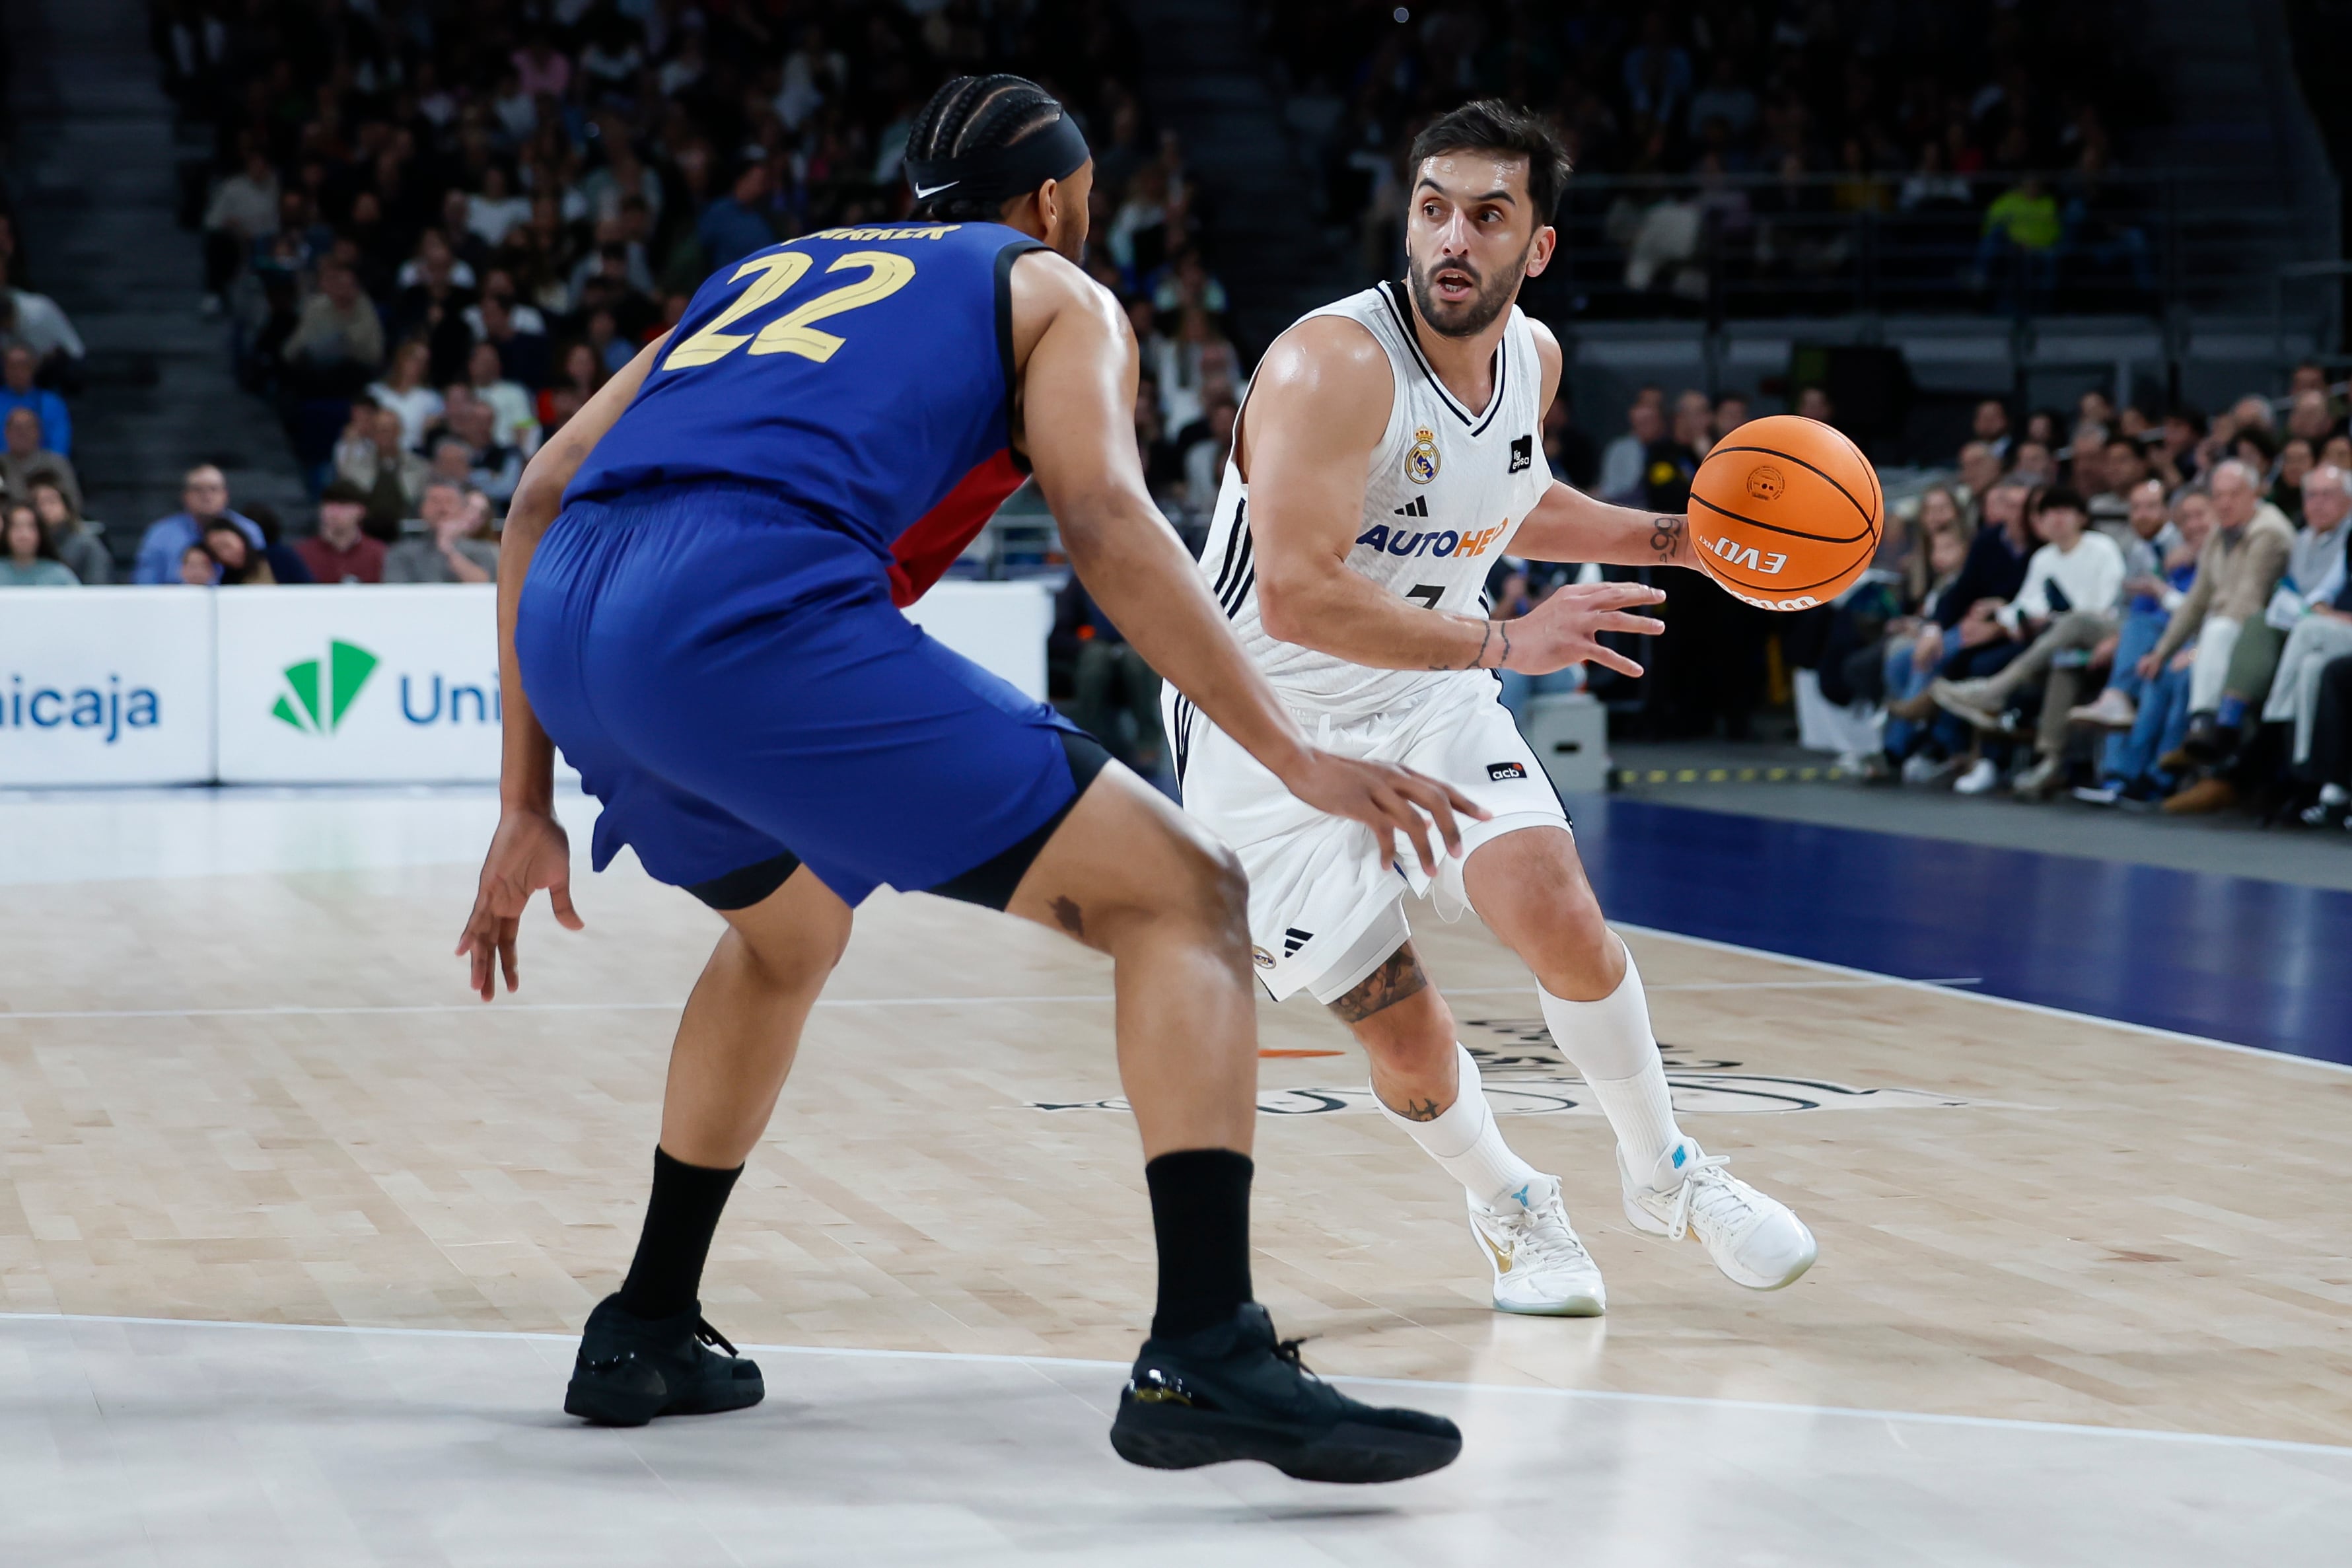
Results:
x,y
666,1276
1200,1215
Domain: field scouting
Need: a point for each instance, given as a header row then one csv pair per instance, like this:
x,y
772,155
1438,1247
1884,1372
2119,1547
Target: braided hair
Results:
x,y
976,114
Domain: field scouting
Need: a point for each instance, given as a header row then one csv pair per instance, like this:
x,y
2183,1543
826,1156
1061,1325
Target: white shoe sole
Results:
x,y
1579,1306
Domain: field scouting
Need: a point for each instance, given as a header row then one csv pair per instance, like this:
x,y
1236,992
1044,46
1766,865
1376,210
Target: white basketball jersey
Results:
x,y
1447,488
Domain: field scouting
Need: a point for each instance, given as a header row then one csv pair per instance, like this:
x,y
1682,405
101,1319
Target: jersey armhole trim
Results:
x,y
1013,252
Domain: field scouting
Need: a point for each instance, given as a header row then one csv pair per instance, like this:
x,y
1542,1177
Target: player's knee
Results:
x,y
798,965
1208,886
1577,956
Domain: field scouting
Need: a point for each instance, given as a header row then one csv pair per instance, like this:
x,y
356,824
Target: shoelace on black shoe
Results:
x,y
1287,1351
711,1336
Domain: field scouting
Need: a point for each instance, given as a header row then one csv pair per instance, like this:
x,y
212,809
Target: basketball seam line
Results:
x,y
1768,452
1775,528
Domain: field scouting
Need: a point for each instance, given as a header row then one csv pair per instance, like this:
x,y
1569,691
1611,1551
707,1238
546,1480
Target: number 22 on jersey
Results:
x,y
794,332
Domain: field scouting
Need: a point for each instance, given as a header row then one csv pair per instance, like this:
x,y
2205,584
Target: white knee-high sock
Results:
x,y
1465,1140
1610,1045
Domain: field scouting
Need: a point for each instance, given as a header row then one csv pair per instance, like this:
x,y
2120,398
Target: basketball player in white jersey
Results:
x,y
1388,454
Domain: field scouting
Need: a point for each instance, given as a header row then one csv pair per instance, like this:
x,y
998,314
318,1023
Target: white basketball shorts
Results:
x,y
1325,898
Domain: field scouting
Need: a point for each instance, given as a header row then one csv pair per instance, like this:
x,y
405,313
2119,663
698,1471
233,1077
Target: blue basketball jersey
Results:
x,y
863,375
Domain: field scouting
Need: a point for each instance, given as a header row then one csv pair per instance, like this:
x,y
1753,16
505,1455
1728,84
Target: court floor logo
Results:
x,y
318,692
1525,1075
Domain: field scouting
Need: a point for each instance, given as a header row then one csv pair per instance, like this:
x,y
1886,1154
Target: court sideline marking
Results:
x,y
1600,1395
2040,1009
293,1010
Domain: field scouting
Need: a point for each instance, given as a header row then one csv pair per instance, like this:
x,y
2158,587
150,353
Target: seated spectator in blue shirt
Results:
x,y
204,496
18,391
731,226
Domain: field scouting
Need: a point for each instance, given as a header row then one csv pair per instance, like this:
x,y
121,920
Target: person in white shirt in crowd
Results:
x,y
40,324
2071,603
515,422
495,209
406,389
1624,462
2321,614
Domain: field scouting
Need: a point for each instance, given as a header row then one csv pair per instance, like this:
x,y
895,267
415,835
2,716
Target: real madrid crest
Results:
x,y
1421,463
1262,958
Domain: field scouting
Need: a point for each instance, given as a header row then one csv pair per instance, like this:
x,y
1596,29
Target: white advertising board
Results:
x,y
359,685
329,685
399,685
106,686
999,626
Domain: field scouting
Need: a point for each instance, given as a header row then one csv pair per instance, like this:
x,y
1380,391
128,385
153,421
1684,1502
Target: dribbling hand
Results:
x,y
1566,628
1389,800
530,851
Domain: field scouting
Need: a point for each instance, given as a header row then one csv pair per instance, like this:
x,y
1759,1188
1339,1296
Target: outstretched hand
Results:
x,y
1566,628
1387,799
530,851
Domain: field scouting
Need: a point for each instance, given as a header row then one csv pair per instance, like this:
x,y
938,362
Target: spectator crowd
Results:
x,y
2147,612
1749,137
432,229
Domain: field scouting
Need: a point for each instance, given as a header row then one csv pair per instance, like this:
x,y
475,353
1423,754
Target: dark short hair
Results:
x,y
1490,125
2062,498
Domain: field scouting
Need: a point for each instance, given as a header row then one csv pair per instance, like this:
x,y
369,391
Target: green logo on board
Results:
x,y
312,710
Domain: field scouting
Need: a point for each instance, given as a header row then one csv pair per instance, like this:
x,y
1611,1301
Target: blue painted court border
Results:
x,y
2253,963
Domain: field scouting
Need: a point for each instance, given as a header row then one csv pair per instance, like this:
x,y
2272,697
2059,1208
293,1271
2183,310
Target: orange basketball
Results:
x,y
1786,513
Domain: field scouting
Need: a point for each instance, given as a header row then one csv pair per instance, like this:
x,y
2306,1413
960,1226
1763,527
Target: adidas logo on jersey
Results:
x,y
1293,940
1417,507
1447,542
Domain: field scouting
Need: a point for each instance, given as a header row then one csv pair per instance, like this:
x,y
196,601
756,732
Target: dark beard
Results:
x,y
1492,298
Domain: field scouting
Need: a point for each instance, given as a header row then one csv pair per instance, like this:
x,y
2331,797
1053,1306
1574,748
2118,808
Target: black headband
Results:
x,y
1002,173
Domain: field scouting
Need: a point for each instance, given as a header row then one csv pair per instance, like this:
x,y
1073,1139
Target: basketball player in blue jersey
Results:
x,y
700,604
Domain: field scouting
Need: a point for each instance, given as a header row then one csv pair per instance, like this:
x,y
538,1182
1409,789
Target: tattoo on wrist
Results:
x,y
1666,539
1504,627
1478,659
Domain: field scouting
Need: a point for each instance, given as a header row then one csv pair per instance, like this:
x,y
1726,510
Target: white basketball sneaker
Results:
x,y
1754,1240
1540,1267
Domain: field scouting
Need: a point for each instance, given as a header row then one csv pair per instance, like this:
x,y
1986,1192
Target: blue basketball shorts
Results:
x,y
734,684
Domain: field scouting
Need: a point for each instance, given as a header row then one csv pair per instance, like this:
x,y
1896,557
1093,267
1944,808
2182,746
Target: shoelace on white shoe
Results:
x,y
1545,1236
1718,1197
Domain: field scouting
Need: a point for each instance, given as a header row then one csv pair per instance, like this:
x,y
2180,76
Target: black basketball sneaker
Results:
x,y
631,1369
1234,1392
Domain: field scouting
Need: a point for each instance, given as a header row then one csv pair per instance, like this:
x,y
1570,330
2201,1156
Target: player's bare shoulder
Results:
x,y
1045,285
1327,381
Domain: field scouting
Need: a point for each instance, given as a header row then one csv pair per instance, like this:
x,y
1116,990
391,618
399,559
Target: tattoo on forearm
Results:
x,y
1072,919
1391,983
1666,540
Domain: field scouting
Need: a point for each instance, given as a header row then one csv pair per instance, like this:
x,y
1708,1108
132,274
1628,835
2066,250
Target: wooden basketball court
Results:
x,y
255,1093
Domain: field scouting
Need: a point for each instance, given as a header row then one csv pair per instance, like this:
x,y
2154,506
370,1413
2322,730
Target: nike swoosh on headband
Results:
x,y
923,194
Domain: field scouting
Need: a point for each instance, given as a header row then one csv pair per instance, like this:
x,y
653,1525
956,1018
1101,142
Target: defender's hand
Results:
x,y
1566,628
1387,800
530,851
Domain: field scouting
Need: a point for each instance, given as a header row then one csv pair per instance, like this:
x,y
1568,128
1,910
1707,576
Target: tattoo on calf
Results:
x,y
1391,983
1421,1110
1072,919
